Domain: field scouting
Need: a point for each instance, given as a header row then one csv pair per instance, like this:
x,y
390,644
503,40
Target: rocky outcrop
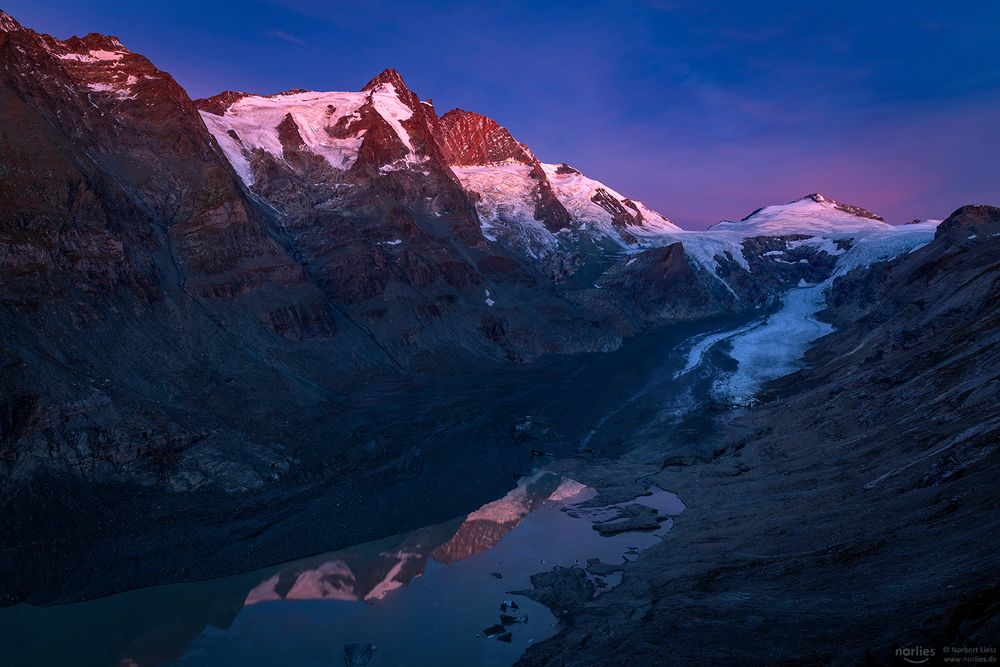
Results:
x,y
471,139
666,284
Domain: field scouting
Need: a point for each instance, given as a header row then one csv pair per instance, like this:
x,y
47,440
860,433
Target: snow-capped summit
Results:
x,y
525,203
7,22
812,214
335,126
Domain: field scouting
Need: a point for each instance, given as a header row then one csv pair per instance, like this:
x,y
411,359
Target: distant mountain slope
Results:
x,y
809,215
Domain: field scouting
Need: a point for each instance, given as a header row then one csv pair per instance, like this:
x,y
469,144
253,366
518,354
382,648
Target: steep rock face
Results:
x,y
111,107
970,223
375,213
473,140
138,281
469,138
662,284
551,213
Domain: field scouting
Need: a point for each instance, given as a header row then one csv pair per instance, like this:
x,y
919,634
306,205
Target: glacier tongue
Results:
x,y
775,346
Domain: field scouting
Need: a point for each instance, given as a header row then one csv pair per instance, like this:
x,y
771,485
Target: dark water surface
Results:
x,y
423,598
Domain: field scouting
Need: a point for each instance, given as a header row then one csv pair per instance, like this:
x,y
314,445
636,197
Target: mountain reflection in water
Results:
x,y
369,571
251,618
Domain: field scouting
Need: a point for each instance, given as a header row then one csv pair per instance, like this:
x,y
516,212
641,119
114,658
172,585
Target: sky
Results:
x,y
703,110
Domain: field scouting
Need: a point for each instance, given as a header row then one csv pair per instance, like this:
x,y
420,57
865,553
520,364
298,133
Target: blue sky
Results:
x,y
704,110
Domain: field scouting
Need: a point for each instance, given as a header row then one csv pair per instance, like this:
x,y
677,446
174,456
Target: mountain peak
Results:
x,y
7,22
217,104
811,214
389,75
471,138
846,208
95,41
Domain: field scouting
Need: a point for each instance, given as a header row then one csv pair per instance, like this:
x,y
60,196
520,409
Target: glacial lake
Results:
x,y
423,598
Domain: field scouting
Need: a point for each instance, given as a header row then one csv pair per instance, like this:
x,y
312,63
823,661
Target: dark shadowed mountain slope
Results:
x,y
143,293
854,510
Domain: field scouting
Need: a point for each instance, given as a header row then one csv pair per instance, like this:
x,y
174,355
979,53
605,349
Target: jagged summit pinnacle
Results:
x,y
470,138
95,41
846,208
8,23
388,75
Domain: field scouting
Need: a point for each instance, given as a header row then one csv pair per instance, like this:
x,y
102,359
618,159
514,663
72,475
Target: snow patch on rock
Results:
x,y
94,56
576,193
254,119
505,205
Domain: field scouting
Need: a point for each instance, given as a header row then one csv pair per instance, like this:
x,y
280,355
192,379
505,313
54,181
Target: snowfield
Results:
x,y
810,215
255,119
576,193
506,206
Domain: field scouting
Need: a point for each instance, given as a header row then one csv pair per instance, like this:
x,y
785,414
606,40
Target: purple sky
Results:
x,y
703,110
